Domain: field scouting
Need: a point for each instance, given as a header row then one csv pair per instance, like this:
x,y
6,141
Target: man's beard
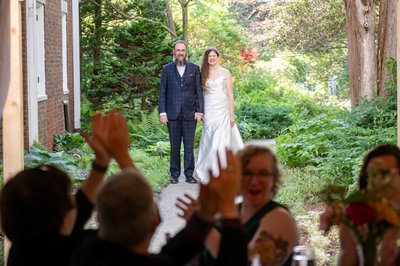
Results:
x,y
180,62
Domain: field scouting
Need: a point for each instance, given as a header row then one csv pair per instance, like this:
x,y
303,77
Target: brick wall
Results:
x,y
51,117
50,111
24,75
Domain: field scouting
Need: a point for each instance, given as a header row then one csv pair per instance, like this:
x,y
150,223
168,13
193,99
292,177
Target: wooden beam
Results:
x,y
13,139
4,52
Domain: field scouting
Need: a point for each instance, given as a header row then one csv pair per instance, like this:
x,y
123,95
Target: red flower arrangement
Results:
x,y
360,213
367,213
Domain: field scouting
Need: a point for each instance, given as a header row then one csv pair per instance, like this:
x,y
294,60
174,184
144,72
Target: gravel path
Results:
x,y
171,223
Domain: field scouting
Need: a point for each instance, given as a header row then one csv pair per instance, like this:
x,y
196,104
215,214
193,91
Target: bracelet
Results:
x,y
99,168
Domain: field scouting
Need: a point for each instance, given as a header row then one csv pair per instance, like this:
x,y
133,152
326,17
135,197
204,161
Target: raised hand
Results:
x,y
186,205
96,140
207,206
116,138
102,157
218,196
226,186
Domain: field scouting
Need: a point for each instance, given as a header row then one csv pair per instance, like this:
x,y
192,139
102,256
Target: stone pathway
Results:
x,y
171,223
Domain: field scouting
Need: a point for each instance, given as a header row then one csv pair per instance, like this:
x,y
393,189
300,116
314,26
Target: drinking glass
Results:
x,y
303,256
255,261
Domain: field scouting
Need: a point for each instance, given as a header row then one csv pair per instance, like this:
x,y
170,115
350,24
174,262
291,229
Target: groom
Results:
x,y
181,105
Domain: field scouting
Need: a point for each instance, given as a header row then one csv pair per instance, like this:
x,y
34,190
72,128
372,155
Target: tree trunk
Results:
x,y
361,49
171,24
98,32
386,44
185,20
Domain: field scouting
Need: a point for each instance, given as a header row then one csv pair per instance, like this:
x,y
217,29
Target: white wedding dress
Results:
x,y
217,132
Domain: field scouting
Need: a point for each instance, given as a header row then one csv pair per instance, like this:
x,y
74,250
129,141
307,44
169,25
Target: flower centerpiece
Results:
x,y
368,213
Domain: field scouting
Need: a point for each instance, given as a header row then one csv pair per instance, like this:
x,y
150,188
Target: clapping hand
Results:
x,y
218,196
227,184
116,138
95,141
187,205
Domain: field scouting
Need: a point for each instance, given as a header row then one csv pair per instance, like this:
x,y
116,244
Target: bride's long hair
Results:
x,y
205,68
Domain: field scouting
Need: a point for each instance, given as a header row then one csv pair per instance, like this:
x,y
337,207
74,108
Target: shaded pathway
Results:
x,y
171,223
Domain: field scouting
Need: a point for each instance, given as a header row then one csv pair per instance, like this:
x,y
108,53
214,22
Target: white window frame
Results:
x,y
40,52
64,12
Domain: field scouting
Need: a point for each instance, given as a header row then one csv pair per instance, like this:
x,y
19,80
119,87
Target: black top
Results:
x,y
178,251
251,227
52,249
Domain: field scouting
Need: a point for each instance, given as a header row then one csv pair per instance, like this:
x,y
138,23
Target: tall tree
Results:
x,y
98,31
324,28
121,64
313,31
171,23
361,49
386,43
185,18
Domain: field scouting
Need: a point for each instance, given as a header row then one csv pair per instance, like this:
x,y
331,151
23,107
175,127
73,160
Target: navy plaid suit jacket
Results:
x,y
181,94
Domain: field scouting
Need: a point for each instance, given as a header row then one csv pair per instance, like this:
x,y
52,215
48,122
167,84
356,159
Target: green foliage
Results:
x,y
148,131
262,121
311,25
300,187
253,81
218,30
265,109
331,146
122,69
156,169
68,141
376,113
86,114
310,30
38,155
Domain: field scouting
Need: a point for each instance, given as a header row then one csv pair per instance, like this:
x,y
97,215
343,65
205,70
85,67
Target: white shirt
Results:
x,y
181,69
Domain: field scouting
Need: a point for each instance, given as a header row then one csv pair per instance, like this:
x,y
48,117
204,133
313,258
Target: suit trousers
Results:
x,y
181,129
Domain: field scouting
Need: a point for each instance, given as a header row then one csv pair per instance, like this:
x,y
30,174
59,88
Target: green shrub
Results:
x,y
261,121
376,113
38,155
68,141
330,147
255,80
156,169
147,131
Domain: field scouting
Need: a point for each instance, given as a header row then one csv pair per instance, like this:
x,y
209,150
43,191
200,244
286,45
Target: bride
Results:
x,y
219,127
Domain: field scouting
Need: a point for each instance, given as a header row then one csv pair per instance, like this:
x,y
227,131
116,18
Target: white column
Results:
x,y
76,64
33,113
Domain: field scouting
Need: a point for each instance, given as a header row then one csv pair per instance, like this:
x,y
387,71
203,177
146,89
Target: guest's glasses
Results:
x,y
262,175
